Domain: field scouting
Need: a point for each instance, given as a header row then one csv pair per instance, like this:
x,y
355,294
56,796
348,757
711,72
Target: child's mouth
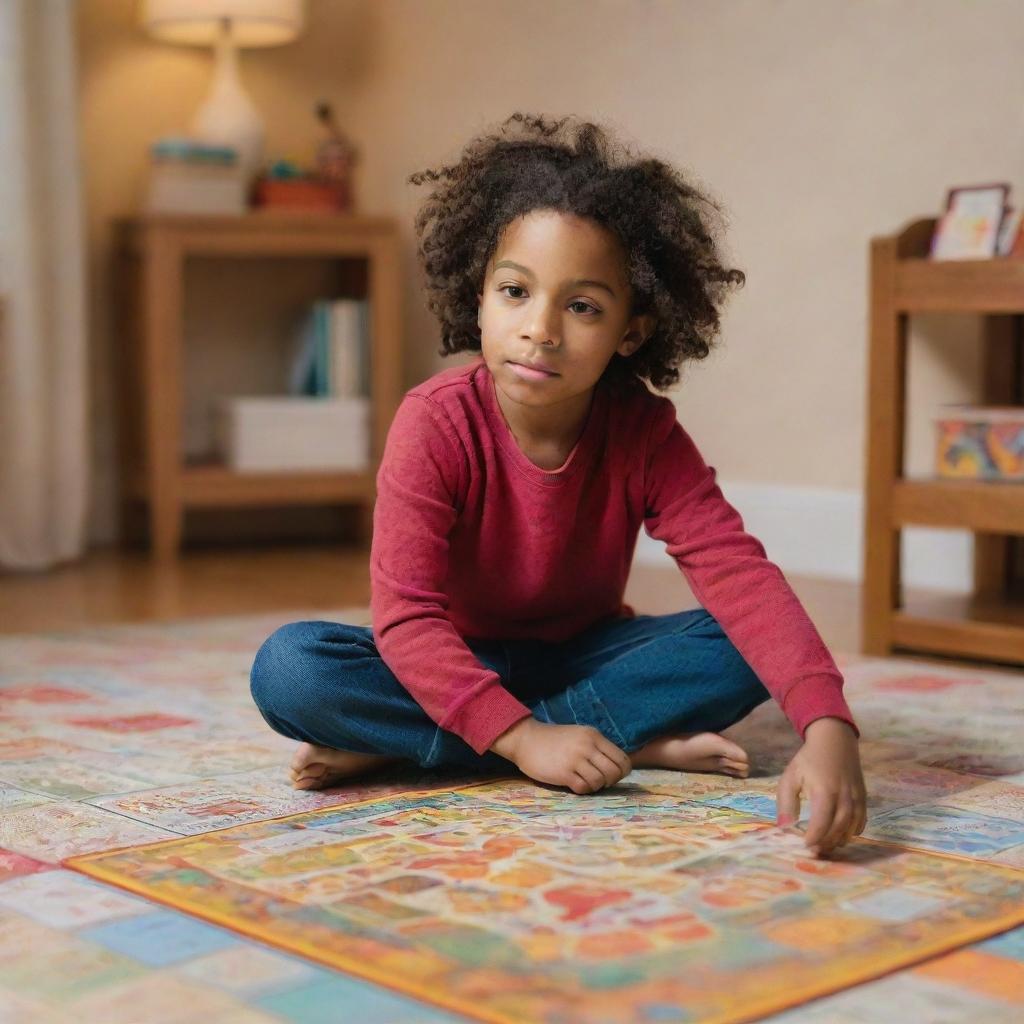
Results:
x,y
528,373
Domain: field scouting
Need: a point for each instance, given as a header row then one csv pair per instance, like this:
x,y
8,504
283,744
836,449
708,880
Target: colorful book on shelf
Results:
x,y
301,375
332,357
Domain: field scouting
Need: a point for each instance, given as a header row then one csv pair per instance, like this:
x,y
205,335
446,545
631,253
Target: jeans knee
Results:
x,y
743,681
731,666
301,661
273,669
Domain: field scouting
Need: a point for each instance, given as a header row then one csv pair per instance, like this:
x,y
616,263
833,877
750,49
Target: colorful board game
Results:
x,y
509,901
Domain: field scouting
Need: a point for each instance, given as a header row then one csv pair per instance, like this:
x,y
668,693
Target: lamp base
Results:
x,y
227,116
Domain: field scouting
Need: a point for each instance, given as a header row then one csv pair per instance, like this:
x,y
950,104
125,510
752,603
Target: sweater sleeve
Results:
x,y
729,573
418,487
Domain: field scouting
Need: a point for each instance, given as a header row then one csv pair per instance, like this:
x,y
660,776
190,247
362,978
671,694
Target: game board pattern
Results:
x,y
122,736
513,902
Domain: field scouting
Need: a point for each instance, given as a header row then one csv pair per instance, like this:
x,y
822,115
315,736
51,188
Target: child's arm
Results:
x,y
420,487
730,574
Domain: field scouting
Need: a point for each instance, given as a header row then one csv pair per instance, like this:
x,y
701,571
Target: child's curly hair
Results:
x,y
665,225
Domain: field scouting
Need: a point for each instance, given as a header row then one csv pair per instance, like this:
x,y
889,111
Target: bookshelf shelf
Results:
x,y
989,624
212,484
955,286
151,252
992,505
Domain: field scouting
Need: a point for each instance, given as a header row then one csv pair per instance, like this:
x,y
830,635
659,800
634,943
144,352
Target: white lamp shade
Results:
x,y
197,22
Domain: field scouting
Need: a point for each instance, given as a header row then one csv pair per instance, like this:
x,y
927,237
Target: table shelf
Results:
x,y
212,484
151,253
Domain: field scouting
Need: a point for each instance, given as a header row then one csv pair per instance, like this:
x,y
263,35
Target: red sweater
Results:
x,y
472,539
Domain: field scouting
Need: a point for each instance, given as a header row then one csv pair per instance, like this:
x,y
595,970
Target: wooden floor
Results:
x,y
113,585
110,585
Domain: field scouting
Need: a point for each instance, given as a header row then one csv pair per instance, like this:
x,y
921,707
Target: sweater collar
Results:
x,y
486,386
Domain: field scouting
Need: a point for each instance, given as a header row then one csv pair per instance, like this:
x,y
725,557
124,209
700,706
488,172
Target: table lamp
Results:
x,y
227,116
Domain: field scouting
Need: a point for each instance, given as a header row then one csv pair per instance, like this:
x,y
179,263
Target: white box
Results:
x,y
183,188
286,432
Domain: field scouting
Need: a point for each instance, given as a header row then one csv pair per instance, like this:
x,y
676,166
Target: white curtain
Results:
x,y
43,366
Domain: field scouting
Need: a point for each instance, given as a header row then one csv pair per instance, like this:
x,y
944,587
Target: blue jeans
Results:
x,y
632,679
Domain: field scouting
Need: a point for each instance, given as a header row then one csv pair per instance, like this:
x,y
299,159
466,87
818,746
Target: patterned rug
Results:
x,y
416,895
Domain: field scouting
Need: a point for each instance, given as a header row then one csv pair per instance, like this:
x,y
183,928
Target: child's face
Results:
x,y
543,302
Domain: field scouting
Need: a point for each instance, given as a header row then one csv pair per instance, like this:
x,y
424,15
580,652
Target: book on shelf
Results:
x,y
333,350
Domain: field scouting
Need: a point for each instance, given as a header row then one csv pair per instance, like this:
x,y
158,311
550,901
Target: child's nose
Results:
x,y
541,333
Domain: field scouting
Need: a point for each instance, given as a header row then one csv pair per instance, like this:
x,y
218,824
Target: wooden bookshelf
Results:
x,y
150,253
988,625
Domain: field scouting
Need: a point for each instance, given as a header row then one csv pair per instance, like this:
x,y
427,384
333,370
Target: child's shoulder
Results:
x,y
638,402
463,394
447,383
453,400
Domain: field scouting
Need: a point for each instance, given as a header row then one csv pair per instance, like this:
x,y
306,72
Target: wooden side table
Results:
x,y
150,251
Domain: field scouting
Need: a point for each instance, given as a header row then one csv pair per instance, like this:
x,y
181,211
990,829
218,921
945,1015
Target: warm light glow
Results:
x,y
197,22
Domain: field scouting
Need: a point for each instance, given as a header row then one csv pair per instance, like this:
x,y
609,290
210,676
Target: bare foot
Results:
x,y
694,752
316,767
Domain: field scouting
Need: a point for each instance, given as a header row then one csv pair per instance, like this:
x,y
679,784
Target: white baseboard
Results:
x,y
815,531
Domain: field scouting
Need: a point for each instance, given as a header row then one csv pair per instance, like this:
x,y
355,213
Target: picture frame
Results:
x,y
967,198
969,228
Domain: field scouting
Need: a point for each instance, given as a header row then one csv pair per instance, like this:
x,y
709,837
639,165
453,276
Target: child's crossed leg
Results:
x,y
682,666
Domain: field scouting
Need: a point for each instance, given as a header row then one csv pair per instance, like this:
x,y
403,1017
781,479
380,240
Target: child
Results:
x,y
509,500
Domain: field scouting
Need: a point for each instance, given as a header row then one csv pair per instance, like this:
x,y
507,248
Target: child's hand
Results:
x,y
577,756
826,770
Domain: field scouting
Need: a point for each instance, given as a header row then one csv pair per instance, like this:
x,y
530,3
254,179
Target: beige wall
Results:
x,y
818,123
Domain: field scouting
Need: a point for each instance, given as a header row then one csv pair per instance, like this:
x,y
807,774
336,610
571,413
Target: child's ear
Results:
x,y
640,329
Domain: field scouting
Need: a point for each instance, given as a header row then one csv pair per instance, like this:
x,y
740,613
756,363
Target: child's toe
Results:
x,y
735,752
314,769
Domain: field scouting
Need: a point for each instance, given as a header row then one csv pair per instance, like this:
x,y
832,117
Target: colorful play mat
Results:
x,y
156,865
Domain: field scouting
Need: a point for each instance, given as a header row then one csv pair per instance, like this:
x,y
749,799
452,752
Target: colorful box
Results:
x,y
980,442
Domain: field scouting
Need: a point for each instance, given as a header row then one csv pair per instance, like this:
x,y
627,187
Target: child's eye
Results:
x,y
586,305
